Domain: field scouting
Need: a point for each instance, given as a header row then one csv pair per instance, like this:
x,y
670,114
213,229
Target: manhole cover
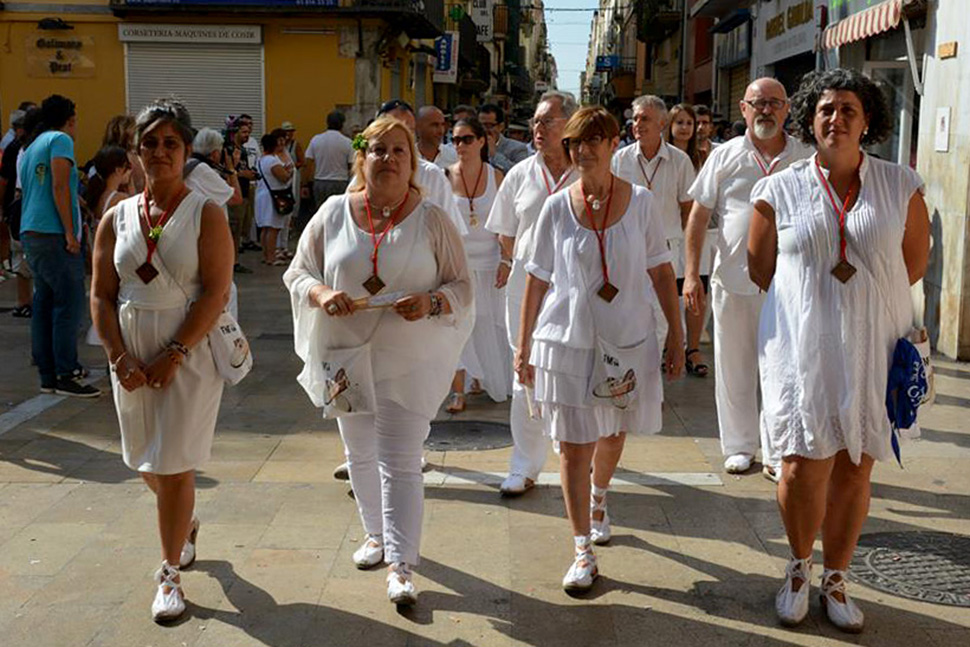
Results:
x,y
468,435
928,566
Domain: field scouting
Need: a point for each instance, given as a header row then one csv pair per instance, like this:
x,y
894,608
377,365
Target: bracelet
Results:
x,y
437,305
178,346
114,365
174,355
506,261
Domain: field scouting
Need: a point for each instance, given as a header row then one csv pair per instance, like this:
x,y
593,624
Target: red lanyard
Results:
x,y
373,234
155,228
643,172
835,205
766,170
468,194
562,180
601,231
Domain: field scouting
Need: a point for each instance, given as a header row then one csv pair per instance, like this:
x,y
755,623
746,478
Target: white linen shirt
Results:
x,y
724,185
447,155
670,173
520,199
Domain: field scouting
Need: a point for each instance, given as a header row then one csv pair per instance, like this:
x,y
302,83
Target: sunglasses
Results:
x,y
392,105
467,140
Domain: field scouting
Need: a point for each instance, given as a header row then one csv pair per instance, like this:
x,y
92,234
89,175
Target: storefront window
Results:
x,y
897,84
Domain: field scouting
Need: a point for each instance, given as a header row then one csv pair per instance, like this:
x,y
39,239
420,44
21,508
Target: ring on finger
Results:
x,y
331,308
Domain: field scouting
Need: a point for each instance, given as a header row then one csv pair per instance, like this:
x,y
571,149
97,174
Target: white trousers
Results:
x,y
384,455
736,372
530,445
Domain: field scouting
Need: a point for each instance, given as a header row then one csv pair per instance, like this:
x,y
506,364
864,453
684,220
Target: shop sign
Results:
x,y
786,28
446,58
734,47
164,33
482,17
56,55
607,62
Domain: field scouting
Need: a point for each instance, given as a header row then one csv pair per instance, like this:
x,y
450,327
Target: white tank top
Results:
x,y
481,245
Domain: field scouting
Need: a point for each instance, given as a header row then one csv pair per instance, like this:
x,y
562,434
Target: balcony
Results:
x,y
658,19
419,18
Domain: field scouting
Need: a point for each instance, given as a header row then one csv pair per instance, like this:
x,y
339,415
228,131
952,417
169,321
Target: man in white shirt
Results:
x,y
723,188
430,128
668,172
513,217
331,156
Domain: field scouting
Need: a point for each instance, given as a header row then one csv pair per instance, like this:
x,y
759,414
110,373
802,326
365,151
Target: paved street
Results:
x,y
696,558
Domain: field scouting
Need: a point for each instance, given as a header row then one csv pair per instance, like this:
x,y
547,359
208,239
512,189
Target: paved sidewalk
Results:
x,y
696,558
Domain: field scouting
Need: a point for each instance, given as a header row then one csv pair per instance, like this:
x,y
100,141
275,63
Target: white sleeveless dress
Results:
x,y
825,347
486,356
170,430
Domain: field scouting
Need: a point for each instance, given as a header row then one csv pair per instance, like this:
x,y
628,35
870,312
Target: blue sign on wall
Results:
x,y
607,63
442,47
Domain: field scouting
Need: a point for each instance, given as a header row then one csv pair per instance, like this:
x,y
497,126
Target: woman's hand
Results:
x,y
502,275
525,371
161,371
413,306
334,302
130,373
674,358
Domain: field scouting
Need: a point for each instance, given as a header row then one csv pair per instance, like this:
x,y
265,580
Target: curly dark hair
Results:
x,y
873,101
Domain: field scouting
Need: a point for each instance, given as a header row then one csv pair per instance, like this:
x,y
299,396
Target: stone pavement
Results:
x,y
696,557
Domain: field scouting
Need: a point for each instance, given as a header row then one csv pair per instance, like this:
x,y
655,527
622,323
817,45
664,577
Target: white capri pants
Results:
x,y
384,455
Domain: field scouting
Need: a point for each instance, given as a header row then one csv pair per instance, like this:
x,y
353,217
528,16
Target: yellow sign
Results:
x,y
58,55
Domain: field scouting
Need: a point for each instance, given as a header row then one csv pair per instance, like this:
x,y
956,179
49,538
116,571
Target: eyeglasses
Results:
x,y
573,143
467,140
761,104
545,122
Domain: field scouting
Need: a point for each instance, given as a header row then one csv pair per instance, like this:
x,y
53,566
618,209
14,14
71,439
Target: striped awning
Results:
x,y
874,20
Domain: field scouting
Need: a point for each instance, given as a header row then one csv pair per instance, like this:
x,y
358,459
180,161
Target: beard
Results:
x,y
765,128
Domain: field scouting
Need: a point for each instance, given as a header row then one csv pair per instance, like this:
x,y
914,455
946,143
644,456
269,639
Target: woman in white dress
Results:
x,y
587,340
276,170
486,360
154,298
836,240
382,306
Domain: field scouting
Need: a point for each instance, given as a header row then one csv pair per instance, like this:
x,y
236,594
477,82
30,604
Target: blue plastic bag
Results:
x,y
905,390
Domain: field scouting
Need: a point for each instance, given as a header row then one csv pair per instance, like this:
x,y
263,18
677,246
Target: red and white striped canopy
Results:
x,y
874,20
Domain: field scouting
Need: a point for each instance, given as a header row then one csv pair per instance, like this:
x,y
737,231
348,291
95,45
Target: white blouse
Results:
x,y
412,361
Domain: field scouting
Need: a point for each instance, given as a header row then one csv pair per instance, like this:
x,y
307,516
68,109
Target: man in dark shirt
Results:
x,y
12,252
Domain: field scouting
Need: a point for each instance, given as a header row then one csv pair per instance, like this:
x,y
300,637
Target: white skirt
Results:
x,y
266,215
170,430
486,356
563,398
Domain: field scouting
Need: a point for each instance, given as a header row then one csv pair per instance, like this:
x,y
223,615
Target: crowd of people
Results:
x,y
569,273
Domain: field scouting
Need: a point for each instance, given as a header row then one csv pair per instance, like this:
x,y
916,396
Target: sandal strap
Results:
x,y
800,568
165,576
691,351
829,586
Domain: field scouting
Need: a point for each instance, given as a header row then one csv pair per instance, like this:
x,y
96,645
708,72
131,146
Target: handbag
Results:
x,y
616,373
282,199
349,384
231,352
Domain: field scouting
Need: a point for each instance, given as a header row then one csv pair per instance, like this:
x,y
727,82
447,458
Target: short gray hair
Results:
x,y
206,141
16,116
651,101
566,101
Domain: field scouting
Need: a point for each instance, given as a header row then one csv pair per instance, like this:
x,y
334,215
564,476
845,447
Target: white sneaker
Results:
x,y
516,485
791,605
738,463
169,604
371,553
847,616
599,531
187,558
400,588
583,571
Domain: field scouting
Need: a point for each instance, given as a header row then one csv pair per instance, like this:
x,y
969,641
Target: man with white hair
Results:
x,y
430,128
513,217
723,188
668,172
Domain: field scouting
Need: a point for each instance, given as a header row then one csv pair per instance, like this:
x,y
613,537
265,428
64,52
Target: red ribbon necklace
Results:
x,y
643,171
609,291
766,169
562,180
374,284
472,218
844,270
146,271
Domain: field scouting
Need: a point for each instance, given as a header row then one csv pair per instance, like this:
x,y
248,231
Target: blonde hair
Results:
x,y
379,128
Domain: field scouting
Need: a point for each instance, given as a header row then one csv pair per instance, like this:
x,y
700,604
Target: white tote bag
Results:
x,y
230,349
616,374
349,385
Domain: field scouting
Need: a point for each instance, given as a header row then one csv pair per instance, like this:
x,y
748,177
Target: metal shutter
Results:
x,y
737,85
212,79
